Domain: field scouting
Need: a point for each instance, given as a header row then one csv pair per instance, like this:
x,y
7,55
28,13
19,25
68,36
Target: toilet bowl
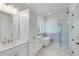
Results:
x,y
46,41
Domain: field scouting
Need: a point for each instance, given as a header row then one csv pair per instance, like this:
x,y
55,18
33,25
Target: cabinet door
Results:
x,y
14,54
23,52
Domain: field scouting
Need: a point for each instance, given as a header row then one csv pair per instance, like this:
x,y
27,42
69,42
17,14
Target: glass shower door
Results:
x,y
63,34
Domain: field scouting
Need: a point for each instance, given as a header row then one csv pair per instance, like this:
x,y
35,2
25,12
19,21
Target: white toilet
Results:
x,y
46,41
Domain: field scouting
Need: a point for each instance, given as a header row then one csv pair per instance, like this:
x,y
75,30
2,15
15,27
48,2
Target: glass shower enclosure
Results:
x,y
63,32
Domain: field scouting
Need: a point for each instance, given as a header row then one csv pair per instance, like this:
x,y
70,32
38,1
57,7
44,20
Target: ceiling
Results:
x,y
44,9
19,6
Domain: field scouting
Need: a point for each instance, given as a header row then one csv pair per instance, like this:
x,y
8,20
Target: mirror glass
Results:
x,y
15,27
9,26
5,26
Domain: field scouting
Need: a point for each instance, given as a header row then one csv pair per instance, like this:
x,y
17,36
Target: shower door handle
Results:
x,y
77,43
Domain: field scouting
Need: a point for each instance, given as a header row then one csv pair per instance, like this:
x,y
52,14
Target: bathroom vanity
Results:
x,y
14,31
17,48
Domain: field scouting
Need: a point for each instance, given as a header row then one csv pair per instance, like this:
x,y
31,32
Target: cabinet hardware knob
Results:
x,y
72,14
77,43
72,52
72,39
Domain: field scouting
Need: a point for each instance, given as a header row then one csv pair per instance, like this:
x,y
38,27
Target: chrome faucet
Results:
x,y
6,41
9,41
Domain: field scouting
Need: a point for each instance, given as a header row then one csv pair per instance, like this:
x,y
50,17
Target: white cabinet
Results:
x,y
20,50
23,52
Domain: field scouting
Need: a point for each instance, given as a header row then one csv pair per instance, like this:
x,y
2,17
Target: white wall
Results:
x,y
24,25
51,25
33,24
32,31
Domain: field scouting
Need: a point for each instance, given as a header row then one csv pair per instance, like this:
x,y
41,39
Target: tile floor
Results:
x,y
52,50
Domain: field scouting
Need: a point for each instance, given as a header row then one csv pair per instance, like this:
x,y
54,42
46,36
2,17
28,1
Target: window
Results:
x,y
40,24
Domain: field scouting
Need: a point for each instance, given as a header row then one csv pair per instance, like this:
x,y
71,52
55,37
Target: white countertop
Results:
x,y
11,45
